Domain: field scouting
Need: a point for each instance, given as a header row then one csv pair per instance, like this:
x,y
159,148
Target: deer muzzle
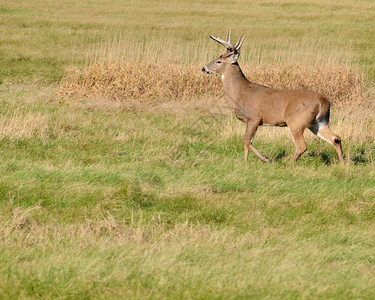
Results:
x,y
204,70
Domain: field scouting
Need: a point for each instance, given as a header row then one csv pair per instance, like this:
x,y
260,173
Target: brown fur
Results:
x,y
258,105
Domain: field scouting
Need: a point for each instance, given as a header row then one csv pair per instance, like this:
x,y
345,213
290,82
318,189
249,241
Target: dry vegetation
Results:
x,y
158,81
17,124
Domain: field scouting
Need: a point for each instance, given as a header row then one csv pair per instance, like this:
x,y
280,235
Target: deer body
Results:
x,y
258,105
269,106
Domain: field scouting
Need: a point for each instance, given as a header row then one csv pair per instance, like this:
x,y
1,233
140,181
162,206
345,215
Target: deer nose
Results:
x,y
204,70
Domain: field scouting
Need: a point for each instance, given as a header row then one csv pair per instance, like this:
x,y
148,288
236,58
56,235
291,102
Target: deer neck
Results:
x,y
234,82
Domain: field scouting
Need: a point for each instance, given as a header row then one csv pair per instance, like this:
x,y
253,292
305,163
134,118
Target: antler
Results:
x,y
228,43
239,43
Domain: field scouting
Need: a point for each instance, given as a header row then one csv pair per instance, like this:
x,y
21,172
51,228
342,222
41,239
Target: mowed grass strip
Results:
x,y
112,202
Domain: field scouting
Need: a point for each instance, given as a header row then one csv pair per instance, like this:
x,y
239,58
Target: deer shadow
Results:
x,y
361,157
325,158
280,156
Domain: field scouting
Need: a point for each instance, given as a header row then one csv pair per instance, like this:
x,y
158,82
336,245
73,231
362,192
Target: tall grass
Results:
x,y
39,45
161,81
170,46
15,123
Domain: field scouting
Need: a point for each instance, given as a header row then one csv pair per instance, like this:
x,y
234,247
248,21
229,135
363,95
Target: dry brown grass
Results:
x,y
153,81
15,123
20,227
145,82
356,123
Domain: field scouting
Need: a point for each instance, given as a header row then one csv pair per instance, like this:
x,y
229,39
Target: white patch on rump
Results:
x,y
320,112
317,126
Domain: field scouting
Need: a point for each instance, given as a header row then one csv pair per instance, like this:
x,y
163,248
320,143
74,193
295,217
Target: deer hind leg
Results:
x,y
299,141
251,128
326,134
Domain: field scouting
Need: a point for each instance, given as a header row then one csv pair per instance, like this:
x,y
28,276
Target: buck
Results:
x,y
258,105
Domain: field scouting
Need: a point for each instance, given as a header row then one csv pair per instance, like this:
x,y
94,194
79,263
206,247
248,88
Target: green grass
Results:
x,y
153,201
39,39
112,203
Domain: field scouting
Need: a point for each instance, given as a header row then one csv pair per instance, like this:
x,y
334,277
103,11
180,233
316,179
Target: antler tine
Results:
x,y
226,43
229,33
239,43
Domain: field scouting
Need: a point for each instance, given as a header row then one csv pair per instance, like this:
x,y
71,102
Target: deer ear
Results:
x,y
233,58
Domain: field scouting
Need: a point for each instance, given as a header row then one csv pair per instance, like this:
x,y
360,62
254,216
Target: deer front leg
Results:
x,y
299,141
251,128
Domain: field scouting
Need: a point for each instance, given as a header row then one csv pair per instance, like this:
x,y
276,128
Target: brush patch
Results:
x,y
156,81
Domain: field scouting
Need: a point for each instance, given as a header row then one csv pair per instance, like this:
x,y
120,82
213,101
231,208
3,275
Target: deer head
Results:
x,y
218,65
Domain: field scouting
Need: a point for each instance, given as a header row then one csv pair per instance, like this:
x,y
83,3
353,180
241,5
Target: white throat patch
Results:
x,y
222,77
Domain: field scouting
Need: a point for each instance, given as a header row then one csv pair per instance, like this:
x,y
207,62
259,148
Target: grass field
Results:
x,y
118,195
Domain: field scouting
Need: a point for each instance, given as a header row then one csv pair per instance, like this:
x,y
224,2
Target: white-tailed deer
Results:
x,y
258,105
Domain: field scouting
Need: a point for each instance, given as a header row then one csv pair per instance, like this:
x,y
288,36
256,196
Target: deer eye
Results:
x,y
219,62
